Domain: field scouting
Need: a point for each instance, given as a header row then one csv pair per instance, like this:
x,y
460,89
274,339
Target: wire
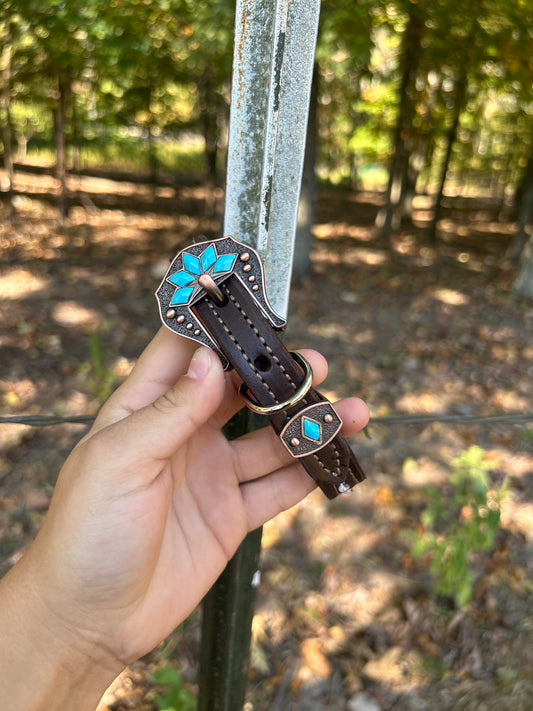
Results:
x,y
45,420
515,418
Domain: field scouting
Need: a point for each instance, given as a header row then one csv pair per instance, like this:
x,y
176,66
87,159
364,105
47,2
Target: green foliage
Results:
x,y
131,153
174,696
163,67
94,372
527,434
456,526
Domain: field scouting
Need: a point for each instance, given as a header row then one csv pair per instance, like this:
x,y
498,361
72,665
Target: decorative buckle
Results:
x,y
200,269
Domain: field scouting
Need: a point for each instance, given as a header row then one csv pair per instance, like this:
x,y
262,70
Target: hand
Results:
x,y
152,503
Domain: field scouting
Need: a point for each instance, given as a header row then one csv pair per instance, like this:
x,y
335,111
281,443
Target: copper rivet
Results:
x,y
247,268
189,326
244,257
251,278
197,332
171,313
181,318
295,442
328,418
255,287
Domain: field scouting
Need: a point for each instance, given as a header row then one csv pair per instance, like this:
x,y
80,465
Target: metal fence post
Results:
x,y
272,71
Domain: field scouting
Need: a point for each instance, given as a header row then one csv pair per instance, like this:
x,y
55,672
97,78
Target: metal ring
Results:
x,y
293,400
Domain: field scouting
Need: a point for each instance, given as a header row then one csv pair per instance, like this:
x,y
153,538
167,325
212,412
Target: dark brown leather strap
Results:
x,y
272,376
214,294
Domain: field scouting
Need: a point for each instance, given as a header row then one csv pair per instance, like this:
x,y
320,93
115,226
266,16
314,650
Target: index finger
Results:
x,y
162,363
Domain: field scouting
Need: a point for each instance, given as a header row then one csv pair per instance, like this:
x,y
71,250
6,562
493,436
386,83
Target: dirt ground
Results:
x,y
343,609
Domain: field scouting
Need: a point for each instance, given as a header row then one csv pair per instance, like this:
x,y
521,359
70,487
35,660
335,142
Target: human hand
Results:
x,y
153,502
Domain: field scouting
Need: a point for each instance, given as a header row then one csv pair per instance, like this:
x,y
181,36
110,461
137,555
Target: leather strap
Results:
x,y
310,429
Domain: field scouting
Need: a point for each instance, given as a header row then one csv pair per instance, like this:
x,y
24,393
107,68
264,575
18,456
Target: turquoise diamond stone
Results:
x,y
311,429
181,296
192,264
224,263
181,278
208,258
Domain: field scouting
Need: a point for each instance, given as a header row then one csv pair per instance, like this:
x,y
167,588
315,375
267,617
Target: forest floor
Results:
x,y
344,611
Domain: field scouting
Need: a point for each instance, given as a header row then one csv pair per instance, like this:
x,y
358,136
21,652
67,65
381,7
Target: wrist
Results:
x,y
43,665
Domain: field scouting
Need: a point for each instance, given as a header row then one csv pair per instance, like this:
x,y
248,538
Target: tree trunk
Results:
x,y
302,265
416,163
152,155
523,209
358,118
523,283
209,123
460,97
76,137
60,141
209,103
6,59
389,217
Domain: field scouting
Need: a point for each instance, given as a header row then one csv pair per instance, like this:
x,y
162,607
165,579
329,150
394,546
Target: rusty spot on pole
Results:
x,y
278,61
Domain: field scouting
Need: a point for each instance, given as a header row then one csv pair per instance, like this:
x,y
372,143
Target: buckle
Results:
x,y
286,404
199,270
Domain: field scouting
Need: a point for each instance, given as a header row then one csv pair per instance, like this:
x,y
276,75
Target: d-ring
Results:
x,y
286,404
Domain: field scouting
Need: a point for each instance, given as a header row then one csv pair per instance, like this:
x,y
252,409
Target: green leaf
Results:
x,y
166,676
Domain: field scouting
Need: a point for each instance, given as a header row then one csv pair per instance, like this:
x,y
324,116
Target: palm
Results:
x,y
181,531
198,521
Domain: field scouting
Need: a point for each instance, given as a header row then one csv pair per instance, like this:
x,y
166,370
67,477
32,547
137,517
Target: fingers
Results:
x,y
158,430
164,360
261,452
267,497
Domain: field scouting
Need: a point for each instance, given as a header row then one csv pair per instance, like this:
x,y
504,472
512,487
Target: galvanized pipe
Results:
x,y
274,52
272,72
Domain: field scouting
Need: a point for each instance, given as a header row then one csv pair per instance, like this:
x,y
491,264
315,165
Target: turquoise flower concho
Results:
x,y
210,263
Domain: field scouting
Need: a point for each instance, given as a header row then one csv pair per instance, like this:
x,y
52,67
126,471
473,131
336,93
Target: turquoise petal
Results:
x,y
208,258
224,263
192,264
181,278
181,296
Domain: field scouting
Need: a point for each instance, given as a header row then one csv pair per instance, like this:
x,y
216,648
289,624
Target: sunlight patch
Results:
x,y
20,283
450,296
420,402
69,314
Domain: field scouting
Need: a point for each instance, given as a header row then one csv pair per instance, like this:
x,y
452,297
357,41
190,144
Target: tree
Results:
x,y
524,211
343,56
523,283
389,217
6,60
522,244
302,265
58,48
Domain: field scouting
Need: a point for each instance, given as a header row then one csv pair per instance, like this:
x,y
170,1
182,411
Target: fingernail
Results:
x,y
200,364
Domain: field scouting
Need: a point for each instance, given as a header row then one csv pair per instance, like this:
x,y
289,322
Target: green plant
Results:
x,y
98,377
174,697
456,526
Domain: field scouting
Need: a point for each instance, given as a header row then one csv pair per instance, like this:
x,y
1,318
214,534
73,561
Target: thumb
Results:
x,y
157,431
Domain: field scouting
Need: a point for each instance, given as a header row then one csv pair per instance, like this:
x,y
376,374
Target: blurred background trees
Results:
x,y
411,98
